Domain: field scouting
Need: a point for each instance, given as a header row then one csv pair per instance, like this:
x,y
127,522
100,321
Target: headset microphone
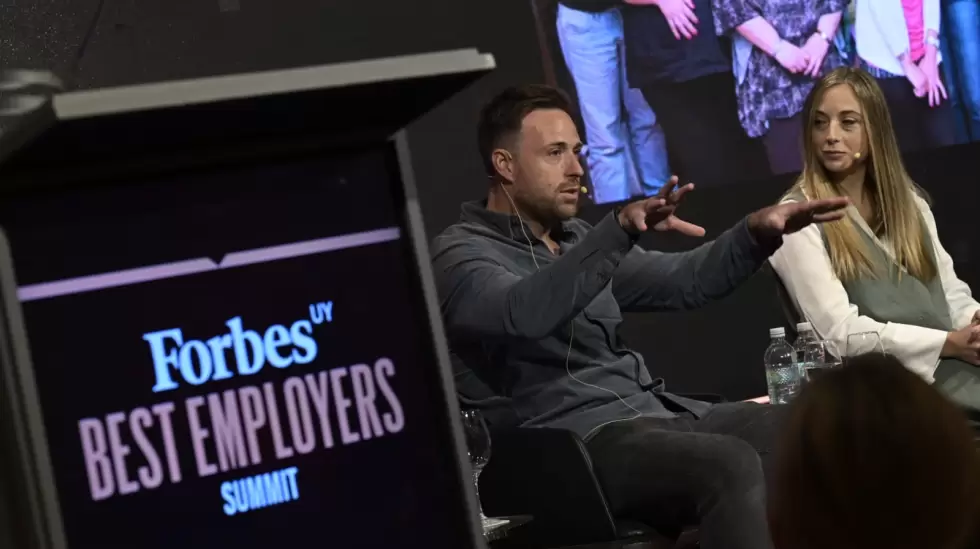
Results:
x,y
583,189
857,155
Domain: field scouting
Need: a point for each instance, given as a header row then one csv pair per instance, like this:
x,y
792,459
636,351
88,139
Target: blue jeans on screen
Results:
x,y
961,50
627,153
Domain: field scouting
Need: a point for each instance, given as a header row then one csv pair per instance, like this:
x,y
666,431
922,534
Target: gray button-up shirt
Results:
x,y
540,347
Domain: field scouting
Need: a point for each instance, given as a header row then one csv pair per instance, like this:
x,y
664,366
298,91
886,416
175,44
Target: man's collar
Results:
x,y
505,224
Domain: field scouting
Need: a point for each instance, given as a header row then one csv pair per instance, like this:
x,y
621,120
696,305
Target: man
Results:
x,y
532,299
685,73
626,154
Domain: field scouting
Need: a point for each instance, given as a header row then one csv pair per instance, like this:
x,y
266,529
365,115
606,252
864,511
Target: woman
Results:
x,y
871,457
882,268
898,42
781,48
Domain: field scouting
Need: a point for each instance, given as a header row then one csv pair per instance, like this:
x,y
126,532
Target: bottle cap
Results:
x,y
803,326
777,332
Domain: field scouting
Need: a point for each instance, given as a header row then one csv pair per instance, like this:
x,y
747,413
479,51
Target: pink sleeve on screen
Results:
x,y
915,25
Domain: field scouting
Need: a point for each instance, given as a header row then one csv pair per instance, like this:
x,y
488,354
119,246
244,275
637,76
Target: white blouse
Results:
x,y
803,265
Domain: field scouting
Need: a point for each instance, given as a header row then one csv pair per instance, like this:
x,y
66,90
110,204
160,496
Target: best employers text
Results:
x,y
125,452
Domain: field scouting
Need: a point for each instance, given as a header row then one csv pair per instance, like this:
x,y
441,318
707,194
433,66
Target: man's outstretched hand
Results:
x,y
788,218
657,212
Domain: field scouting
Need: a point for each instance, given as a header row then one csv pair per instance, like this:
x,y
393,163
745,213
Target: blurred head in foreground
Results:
x,y
874,457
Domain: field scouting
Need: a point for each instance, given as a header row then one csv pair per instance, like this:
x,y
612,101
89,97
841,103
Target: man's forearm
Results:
x,y
734,258
651,281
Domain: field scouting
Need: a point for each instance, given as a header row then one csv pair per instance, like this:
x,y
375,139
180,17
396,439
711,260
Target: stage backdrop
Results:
x,y
657,100
98,43
718,348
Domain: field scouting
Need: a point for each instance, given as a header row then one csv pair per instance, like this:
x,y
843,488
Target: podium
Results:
x,y
218,322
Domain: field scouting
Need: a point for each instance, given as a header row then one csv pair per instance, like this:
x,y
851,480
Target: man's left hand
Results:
x,y
788,218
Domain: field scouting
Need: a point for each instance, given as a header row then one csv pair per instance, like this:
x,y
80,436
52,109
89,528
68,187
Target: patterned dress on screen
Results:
x,y
767,91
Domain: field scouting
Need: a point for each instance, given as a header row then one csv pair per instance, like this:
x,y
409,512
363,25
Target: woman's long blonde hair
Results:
x,y
897,214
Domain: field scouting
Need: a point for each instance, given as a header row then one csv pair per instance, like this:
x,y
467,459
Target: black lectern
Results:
x,y
218,325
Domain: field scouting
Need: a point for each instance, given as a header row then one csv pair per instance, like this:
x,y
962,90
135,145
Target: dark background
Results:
x,y
716,349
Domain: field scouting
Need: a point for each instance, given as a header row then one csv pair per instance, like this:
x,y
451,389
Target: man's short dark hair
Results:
x,y
503,115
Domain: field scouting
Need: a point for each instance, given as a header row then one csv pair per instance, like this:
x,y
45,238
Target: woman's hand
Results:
x,y
680,16
934,89
917,78
963,344
793,59
816,49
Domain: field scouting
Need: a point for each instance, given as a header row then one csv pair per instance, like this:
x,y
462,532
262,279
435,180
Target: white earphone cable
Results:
x,y
571,336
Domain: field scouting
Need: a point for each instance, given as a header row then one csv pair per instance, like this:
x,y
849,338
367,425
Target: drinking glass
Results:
x,y
832,357
863,343
829,358
478,448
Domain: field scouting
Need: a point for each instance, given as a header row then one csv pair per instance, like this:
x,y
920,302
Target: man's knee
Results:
x,y
733,465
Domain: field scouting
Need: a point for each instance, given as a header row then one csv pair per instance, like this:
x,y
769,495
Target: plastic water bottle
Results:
x,y
783,372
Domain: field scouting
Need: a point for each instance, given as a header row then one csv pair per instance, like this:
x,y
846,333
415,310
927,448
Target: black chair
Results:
x,y
547,474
